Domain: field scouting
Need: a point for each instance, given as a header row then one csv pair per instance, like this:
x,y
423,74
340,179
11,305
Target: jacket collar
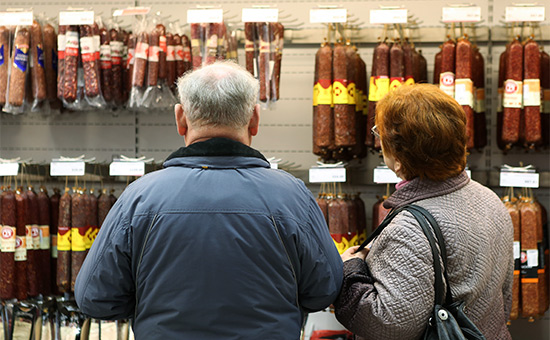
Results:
x,y
418,189
211,151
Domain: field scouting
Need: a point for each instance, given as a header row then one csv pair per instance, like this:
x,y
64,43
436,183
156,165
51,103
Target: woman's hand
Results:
x,y
350,253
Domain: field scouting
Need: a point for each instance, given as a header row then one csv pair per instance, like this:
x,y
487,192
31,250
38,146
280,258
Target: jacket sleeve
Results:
x,y
104,287
320,277
391,295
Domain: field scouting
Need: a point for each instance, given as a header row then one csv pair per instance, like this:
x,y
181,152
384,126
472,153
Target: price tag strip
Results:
x,y
16,18
9,168
388,16
327,173
132,11
524,177
525,13
65,166
328,15
260,15
383,174
76,17
195,16
461,14
126,166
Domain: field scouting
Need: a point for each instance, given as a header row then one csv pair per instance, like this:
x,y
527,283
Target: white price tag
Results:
x,y
118,168
517,250
385,175
469,173
274,165
514,14
67,168
327,175
260,15
532,258
131,11
519,179
9,169
16,18
461,14
195,16
328,15
76,17
388,16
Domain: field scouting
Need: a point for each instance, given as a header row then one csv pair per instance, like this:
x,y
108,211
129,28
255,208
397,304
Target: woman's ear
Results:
x,y
397,168
181,121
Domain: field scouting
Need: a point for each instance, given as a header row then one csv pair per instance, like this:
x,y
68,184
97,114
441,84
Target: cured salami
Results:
x,y
512,94
8,224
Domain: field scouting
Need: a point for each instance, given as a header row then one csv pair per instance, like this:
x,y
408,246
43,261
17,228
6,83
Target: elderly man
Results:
x,y
216,245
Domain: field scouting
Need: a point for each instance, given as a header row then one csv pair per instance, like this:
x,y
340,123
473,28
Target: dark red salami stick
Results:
x,y
512,84
8,223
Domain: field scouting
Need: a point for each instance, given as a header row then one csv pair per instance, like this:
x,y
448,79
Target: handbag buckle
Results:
x,y
442,314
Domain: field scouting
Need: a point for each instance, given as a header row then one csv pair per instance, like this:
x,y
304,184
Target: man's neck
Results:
x,y
205,133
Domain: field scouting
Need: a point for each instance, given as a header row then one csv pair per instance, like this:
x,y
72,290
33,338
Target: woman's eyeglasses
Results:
x,y
374,131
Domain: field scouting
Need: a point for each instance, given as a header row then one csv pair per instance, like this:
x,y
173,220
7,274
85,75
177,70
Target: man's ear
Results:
x,y
254,123
181,121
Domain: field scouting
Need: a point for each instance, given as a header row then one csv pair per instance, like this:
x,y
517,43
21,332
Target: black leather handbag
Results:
x,y
448,320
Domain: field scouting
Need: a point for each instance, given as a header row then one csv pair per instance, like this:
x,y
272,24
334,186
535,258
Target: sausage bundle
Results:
x,y
523,75
209,42
392,66
345,216
460,72
339,103
264,43
157,57
530,289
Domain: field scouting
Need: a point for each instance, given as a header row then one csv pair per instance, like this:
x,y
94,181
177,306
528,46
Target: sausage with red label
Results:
x,y
512,115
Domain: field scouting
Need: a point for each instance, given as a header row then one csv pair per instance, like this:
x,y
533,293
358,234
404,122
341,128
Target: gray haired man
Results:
x,y
216,245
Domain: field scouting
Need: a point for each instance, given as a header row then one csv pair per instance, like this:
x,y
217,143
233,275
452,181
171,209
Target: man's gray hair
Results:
x,y
220,94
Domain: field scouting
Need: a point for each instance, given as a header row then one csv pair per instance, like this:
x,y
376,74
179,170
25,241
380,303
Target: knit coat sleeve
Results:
x,y
390,296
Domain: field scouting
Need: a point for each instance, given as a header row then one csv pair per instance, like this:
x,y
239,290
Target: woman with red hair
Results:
x,y
388,290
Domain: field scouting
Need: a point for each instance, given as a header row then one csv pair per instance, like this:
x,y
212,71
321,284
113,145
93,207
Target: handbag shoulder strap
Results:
x,y
439,287
423,215
381,227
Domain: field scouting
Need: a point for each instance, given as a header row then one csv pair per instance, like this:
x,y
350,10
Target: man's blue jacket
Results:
x,y
214,246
